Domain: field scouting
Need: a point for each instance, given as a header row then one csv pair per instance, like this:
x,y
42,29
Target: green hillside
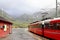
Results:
x,y
5,15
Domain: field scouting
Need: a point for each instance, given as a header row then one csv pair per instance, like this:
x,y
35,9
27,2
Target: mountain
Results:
x,y
24,19
37,16
6,15
10,18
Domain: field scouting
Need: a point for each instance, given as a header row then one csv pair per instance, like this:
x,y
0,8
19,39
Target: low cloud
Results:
x,y
25,6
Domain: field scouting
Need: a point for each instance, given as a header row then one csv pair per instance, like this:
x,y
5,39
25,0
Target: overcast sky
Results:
x,y
25,6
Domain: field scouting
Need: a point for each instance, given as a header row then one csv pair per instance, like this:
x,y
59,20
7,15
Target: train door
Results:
x,y
45,28
57,31
42,28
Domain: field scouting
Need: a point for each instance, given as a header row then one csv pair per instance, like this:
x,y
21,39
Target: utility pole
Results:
x,y
56,9
2,12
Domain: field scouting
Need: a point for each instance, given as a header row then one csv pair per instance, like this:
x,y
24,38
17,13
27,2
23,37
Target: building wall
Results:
x,y
2,32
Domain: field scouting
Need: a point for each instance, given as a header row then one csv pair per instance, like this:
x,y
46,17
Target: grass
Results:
x,y
18,24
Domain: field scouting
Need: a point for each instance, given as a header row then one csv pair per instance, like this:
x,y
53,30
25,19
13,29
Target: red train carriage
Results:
x,y
36,28
49,28
52,29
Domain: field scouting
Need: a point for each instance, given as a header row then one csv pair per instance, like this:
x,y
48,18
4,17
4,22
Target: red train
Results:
x,y
48,28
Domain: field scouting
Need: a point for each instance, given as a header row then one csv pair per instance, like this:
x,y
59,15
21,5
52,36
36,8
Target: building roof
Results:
x,y
5,20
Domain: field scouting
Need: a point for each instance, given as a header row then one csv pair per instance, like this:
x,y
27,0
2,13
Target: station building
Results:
x,y
5,27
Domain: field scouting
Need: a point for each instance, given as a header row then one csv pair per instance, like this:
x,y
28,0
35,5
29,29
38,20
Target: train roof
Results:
x,y
51,19
34,22
47,21
57,18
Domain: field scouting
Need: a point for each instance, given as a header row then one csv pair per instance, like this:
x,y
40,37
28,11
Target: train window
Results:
x,y
54,26
40,25
33,26
58,26
36,26
30,26
46,25
51,26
